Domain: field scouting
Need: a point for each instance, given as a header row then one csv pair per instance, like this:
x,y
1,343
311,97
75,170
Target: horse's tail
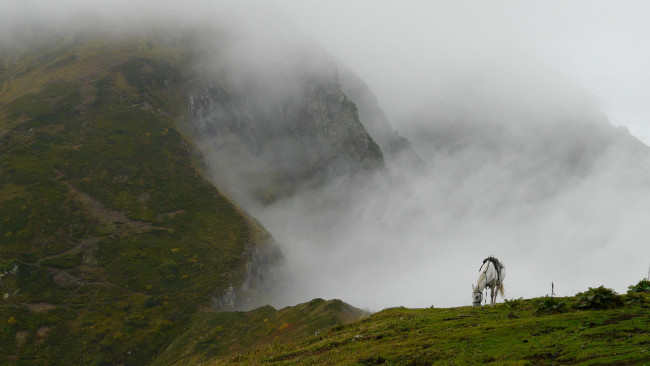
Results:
x,y
501,291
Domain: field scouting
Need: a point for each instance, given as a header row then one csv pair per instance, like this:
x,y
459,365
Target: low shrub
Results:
x,y
150,302
374,360
550,305
599,298
642,286
514,303
634,298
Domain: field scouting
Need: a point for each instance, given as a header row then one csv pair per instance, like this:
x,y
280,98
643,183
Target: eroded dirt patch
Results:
x,y
39,307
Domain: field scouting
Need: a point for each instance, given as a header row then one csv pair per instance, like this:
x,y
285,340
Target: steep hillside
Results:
x,y
541,331
111,238
114,242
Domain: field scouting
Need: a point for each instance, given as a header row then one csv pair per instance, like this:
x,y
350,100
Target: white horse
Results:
x,y
491,274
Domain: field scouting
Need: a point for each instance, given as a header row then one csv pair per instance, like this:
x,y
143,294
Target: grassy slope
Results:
x,y
110,238
504,334
215,334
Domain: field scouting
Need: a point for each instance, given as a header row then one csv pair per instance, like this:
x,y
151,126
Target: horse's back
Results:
x,y
493,274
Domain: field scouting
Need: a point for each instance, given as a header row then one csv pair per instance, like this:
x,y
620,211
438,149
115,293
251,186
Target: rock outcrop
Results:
x,y
397,149
271,132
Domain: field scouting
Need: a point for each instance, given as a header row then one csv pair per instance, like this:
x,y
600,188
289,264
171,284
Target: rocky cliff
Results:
x,y
399,152
280,128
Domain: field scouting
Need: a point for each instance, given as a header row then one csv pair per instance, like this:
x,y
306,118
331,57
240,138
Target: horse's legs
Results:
x,y
492,295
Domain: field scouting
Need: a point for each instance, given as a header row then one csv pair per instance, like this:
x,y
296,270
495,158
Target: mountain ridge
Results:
x,y
280,129
100,212
112,235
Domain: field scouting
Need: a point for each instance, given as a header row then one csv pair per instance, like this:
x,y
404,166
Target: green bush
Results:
x,y
634,298
642,286
599,298
550,305
150,302
514,303
374,360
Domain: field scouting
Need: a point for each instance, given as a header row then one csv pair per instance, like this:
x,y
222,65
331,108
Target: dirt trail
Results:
x,y
98,210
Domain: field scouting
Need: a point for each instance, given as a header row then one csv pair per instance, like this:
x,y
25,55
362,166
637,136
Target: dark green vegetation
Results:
x,y
214,334
111,240
506,334
599,298
642,286
550,305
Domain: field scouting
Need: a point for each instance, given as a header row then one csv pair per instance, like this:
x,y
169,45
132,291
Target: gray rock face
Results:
x,y
263,275
266,133
398,150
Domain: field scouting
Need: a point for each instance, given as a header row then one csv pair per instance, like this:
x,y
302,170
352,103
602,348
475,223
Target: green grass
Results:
x,y
503,334
48,106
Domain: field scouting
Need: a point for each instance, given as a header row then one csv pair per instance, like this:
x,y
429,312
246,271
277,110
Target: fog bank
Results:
x,y
559,203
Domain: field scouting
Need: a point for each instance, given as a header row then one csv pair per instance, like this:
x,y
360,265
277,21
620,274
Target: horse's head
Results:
x,y
477,296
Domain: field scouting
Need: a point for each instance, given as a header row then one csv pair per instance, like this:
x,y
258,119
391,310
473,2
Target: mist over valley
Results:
x,y
184,182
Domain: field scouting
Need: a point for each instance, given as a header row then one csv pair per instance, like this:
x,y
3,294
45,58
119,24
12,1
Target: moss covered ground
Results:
x,y
514,333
